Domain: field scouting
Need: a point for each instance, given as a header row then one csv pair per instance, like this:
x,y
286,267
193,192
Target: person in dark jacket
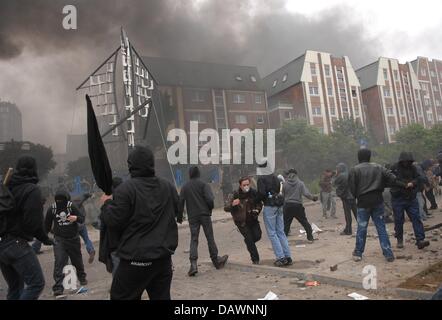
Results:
x,y
404,200
269,189
142,215
198,199
348,201
63,219
367,182
19,264
293,189
245,206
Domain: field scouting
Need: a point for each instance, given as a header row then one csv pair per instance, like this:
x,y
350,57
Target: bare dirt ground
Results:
x,y
242,280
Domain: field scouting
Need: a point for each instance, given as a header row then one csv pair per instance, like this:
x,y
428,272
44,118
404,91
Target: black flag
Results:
x,y
97,153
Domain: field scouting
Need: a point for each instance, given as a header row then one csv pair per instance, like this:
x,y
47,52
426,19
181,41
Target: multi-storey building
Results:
x,y
10,122
429,73
316,86
391,95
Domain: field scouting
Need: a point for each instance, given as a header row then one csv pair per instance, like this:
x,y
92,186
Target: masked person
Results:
x,y
404,200
141,214
293,190
19,264
367,182
63,218
348,201
198,199
244,205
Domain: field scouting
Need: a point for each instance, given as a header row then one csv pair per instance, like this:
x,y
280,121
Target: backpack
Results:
x,y
275,199
7,205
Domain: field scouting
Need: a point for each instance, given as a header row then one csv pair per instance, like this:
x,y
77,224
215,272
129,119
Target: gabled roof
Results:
x,y
168,72
293,73
368,75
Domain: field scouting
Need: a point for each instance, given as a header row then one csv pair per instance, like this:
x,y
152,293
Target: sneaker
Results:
x,y
400,244
357,258
288,261
310,239
220,262
390,259
280,262
91,257
58,293
423,244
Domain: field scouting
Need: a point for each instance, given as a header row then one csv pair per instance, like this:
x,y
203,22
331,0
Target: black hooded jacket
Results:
x,y
406,172
143,211
27,220
57,217
196,196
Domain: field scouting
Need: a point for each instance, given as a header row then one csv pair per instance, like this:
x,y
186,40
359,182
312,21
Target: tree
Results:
x,y
13,150
79,168
354,129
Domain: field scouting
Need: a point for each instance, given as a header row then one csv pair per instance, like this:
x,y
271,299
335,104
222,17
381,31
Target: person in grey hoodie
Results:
x,y
293,190
343,192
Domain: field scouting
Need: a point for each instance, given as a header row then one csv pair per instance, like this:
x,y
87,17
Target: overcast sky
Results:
x,y
41,63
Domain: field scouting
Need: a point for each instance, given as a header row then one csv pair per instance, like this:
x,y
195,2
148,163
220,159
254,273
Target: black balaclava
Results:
x,y
364,155
141,162
26,167
194,173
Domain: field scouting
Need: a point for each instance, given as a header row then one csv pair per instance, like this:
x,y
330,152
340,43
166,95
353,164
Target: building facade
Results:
x,y
318,87
392,97
10,122
429,74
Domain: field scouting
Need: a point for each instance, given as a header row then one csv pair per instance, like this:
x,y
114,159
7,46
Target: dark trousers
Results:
x,y
251,232
349,207
195,223
430,196
65,249
20,267
132,278
297,211
412,209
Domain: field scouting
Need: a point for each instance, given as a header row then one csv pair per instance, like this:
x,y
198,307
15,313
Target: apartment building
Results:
x,y
316,86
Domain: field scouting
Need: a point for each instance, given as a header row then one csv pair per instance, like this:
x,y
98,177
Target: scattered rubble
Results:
x,y
334,268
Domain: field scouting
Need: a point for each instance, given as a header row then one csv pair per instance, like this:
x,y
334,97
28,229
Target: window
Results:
x,y
356,111
385,74
354,93
435,88
399,95
330,91
327,70
340,75
260,119
343,94
402,111
239,98
313,69
253,78
438,104
238,78
392,129
387,93
201,118
316,111
390,111
288,115
197,96
395,74
430,116
314,91
439,117
275,82
424,72
284,78
426,102
345,109
4,109
241,119
433,74
332,111
258,99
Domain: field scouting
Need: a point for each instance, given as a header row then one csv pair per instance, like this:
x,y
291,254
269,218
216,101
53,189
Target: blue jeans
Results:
x,y
20,267
274,223
36,246
412,209
377,214
83,233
